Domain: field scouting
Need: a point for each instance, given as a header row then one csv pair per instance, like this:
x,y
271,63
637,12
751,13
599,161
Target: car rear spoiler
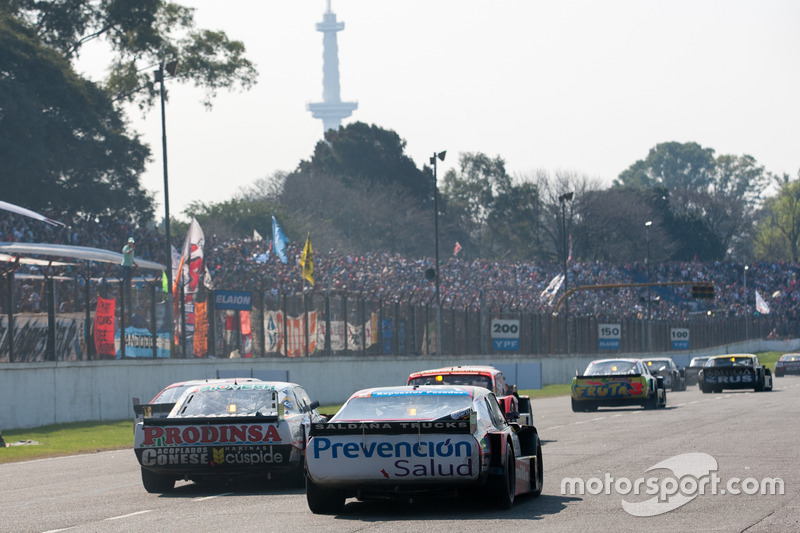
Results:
x,y
210,420
391,427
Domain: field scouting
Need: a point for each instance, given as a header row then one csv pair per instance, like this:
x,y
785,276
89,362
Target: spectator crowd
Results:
x,y
246,264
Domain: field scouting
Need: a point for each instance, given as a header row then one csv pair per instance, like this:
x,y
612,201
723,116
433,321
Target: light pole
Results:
x,y
434,157
746,336
171,68
647,263
564,198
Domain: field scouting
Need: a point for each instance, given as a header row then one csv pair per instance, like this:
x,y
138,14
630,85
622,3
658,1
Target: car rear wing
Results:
x,y
211,420
392,427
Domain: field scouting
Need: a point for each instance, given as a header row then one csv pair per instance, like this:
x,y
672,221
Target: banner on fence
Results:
x,y
30,338
273,332
247,334
200,329
139,344
104,327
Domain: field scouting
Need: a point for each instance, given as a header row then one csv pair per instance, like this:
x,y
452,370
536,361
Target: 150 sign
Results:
x,y
608,336
505,334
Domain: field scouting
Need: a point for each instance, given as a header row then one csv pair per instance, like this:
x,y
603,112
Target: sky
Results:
x,y
584,86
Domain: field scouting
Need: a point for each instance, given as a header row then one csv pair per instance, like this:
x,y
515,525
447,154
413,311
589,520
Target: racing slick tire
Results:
x,y
321,500
539,479
652,402
155,483
706,390
502,488
759,387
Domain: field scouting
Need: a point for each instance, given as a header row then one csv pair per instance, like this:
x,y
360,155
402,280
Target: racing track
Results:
x,y
750,435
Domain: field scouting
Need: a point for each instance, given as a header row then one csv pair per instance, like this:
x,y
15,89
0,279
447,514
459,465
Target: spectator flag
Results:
x,y
257,236
308,261
456,249
549,292
279,241
761,306
28,213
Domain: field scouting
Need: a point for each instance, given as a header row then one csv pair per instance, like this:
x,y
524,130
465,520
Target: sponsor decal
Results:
x,y
597,389
215,456
736,379
158,436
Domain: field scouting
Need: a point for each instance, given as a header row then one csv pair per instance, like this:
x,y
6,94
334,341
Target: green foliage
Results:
x,y
778,233
63,144
235,218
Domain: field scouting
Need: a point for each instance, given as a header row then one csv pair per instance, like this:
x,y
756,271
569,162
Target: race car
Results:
x,y
515,406
224,431
413,442
674,378
737,371
615,383
692,372
163,402
789,363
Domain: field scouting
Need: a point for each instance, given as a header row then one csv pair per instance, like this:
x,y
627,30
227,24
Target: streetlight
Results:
x,y
171,68
440,156
746,336
564,198
647,262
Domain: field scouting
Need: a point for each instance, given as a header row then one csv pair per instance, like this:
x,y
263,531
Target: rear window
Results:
x,y
472,380
419,405
228,401
730,361
601,368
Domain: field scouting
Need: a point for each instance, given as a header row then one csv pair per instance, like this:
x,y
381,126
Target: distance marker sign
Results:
x,y
505,335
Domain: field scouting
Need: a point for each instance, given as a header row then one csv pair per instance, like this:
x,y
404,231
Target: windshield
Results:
x,y
228,400
411,405
601,368
171,395
698,361
790,358
657,364
473,380
730,361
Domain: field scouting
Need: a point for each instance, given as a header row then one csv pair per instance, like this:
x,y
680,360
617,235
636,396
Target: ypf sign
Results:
x,y
505,335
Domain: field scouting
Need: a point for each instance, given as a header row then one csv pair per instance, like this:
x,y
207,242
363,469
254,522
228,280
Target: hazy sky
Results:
x,y
587,86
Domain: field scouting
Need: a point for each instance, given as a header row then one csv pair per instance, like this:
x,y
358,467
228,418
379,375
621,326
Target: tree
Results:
x,y
359,154
63,144
715,199
778,234
139,33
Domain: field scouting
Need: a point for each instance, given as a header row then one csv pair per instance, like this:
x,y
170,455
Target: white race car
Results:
x,y
402,442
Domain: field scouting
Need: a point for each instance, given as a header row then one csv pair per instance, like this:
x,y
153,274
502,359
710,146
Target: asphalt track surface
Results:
x,y
749,436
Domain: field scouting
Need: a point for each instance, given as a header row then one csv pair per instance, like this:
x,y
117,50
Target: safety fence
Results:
x,y
77,320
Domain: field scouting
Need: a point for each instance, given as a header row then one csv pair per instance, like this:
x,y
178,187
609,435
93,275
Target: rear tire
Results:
x,y
502,488
156,483
323,501
539,479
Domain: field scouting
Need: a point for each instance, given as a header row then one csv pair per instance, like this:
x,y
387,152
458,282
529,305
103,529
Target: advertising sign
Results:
x,y
505,334
680,338
608,336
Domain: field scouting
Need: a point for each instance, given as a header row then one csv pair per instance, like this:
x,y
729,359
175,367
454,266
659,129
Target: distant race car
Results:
x,y
418,441
736,371
222,431
693,370
518,407
163,402
615,383
789,363
674,378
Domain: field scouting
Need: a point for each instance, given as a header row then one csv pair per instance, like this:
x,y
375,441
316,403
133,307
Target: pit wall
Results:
x,y
37,394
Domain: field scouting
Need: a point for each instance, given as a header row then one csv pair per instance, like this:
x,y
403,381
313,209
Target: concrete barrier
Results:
x,y
37,394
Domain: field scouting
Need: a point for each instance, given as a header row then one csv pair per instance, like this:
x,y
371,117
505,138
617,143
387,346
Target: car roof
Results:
x,y
193,382
461,369
474,392
626,359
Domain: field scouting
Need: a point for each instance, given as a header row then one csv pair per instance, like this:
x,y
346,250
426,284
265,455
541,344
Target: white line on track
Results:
x,y
128,515
57,530
204,498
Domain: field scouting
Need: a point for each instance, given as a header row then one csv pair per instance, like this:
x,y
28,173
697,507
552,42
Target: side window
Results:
x,y
302,398
498,418
501,385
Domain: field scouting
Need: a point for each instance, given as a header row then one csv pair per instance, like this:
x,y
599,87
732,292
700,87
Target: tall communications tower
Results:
x,y
331,110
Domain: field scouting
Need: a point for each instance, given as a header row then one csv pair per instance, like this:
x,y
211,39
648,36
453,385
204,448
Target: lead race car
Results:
x,y
412,441
735,371
617,382
225,431
517,407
